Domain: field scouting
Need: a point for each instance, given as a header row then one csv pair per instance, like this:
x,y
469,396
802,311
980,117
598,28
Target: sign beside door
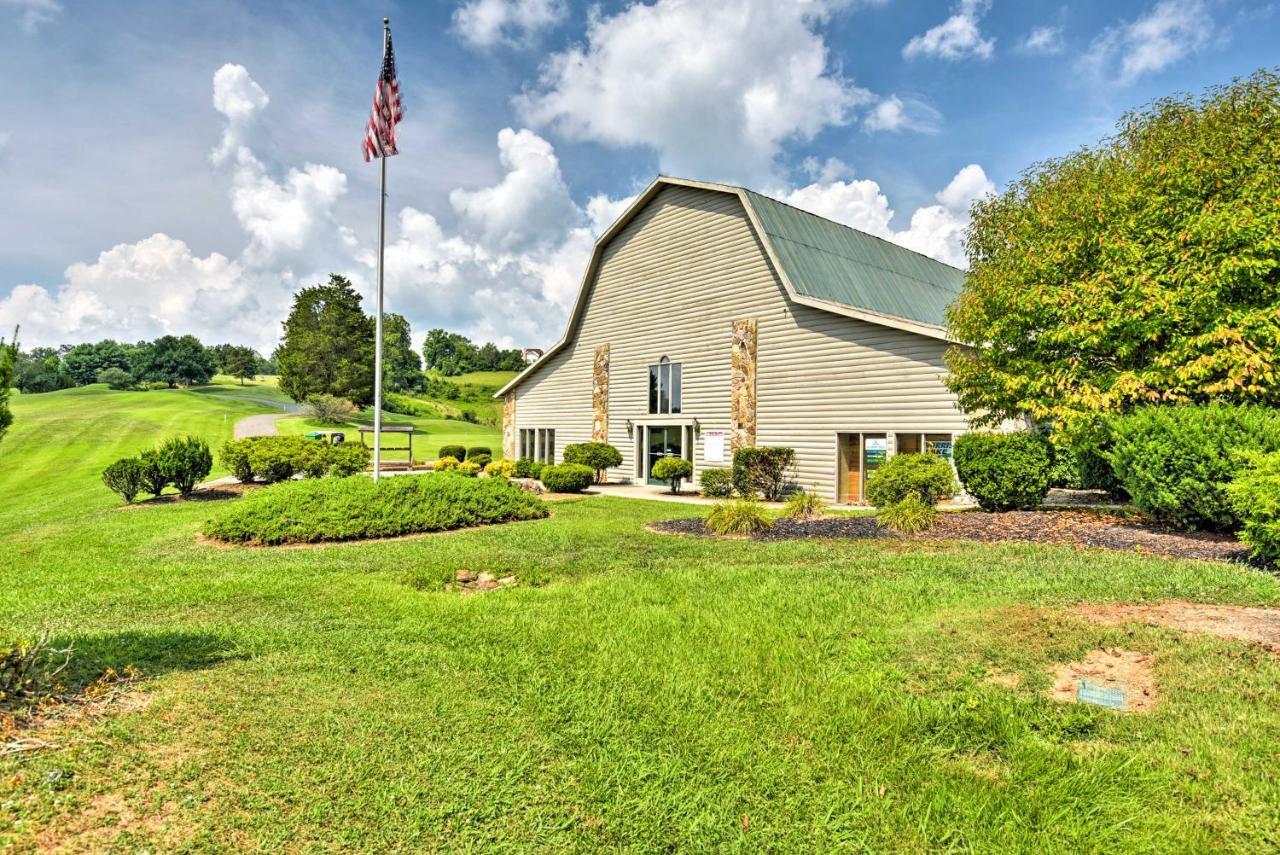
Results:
x,y
713,446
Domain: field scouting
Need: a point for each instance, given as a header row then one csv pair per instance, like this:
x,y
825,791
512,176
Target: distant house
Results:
x,y
531,355
712,318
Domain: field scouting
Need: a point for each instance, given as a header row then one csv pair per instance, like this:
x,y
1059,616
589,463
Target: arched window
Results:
x,y
664,387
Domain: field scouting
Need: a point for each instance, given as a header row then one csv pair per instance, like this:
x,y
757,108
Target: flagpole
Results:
x,y
377,343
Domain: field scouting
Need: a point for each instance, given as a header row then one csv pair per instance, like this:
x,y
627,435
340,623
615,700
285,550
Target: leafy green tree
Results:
x,y
328,344
85,362
173,360
1143,270
240,362
40,370
8,358
447,352
401,365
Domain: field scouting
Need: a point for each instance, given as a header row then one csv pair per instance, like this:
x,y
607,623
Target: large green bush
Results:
x,y
279,458
717,483
764,471
457,452
927,476
333,509
599,456
1175,462
117,379
479,459
477,450
1004,471
1255,497
528,468
124,477
673,470
154,477
567,477
185,462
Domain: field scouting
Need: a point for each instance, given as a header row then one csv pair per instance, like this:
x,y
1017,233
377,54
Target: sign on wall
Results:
x,y
877,451
713,446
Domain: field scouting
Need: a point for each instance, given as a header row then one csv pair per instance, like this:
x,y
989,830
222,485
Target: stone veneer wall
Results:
x,y
509,450
600,395
742,404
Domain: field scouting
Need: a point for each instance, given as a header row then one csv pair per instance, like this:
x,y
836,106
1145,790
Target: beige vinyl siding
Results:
x,y
670,283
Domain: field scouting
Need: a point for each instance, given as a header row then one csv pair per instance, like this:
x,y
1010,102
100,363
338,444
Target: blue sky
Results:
x,y
186,166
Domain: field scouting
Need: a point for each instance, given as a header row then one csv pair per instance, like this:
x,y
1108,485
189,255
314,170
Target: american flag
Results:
x,y
380,136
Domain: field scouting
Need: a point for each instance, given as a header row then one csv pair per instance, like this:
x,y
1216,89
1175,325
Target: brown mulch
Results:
x,y
1071,527
1239,623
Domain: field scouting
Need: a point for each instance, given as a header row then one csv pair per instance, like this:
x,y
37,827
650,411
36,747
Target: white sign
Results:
x,y
713,446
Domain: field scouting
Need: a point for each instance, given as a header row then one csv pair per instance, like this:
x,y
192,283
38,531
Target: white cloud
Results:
x,y
1043,40
894,114
33,13
710,107
1170,31
958,37
239,99
485,23
934,230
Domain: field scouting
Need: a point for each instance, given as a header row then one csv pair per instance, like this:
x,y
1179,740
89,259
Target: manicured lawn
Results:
x,y
493,379
633,691
430,435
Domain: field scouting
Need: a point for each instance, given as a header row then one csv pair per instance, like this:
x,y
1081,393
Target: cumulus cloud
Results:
x,y
1043,40
711,108
485,23
895,114
1172,30
934,230
33,13
958,37
239,99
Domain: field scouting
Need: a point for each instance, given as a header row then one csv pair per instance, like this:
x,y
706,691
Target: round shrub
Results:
x,y
468,468
329,409
275,459
1175,462
477,450
124,477
598,456
567,478
1004,471
448,463
500,469
335,509
457,452
927,476
235,456
154,479
743,517
1255,498
717,483
673,470
117,379
479,459
911,515
186,462
349,459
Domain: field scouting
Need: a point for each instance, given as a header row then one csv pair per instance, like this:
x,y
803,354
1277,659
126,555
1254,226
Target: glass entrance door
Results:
x,y
663,442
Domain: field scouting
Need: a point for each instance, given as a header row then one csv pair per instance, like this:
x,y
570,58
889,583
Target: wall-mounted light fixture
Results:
x,y
630,428
697,428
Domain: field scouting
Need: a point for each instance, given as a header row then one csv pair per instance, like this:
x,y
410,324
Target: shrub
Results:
x,y
1255,499
500,469
599,456
276,459
29,671
673,470
124,477
349,459
910,515
567,477
477,450
457,452
468,468
717,483
1095,472
235,456
1004,471
763,471
329,409
1175,462
1065,471
448,463
481,459
745,516
334,509
186,462
117,378
279,458
526,468
925,475
803,505
154,479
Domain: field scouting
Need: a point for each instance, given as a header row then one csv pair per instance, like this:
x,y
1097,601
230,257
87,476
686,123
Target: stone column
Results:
x,y
600,395
742,403
509,449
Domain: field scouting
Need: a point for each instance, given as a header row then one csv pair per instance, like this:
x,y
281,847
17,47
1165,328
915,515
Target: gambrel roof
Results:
x,y
821,263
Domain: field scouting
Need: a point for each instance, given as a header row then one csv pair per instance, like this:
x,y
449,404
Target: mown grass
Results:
x,y
633,691
429,436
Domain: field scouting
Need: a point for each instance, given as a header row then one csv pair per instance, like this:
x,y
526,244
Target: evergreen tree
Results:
x,y
328,344
402,367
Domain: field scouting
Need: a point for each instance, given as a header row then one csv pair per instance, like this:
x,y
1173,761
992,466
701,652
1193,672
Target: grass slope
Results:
x,y
432,433
634,691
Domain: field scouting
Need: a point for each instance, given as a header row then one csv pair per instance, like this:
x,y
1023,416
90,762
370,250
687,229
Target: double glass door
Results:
x,y
663,442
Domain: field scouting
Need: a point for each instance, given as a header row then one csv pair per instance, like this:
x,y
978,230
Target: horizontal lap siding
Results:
x,y
671,283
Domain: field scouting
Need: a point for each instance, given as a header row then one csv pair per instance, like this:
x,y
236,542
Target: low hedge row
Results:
x,y
280,458
337,509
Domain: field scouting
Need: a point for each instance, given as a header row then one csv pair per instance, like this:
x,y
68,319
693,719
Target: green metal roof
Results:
x,y
827,261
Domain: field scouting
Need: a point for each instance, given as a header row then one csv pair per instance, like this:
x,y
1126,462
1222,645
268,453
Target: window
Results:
x,y
664,387
538,444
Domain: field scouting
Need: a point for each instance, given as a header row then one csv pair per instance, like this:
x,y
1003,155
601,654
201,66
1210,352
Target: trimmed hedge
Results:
x,y
1255,498
477,450
154,479
279,458
500,469
336,509
598,456
927,476
673,470
124,477
185,462
763,471
717,483
479,458
457,452
567,477
528,468
1176,462
1004,471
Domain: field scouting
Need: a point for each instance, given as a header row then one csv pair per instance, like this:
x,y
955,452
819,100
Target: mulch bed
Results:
x,y
215,493
1077,528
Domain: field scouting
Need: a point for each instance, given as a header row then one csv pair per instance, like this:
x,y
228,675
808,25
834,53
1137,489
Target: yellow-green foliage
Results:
x,y
911,515
447,463
501,468
745,516
803,505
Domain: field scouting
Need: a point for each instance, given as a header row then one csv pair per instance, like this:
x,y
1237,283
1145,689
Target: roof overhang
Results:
x,y
643,199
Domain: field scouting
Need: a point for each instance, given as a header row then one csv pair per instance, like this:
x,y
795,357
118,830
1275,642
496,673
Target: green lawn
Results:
x,y
429,434
633,692
493,379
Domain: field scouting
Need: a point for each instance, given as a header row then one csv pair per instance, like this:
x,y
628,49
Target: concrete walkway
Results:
x,y
264,425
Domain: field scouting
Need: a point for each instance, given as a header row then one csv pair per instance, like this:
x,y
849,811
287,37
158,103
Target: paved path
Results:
x,y
264,425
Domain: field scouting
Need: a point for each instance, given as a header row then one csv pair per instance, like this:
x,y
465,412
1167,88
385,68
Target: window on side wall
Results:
x,y
538,444
664,387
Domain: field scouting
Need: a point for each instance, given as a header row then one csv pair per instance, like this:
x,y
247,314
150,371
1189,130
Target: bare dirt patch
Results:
x,y
1239,623
471,582
1110,668
214,493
